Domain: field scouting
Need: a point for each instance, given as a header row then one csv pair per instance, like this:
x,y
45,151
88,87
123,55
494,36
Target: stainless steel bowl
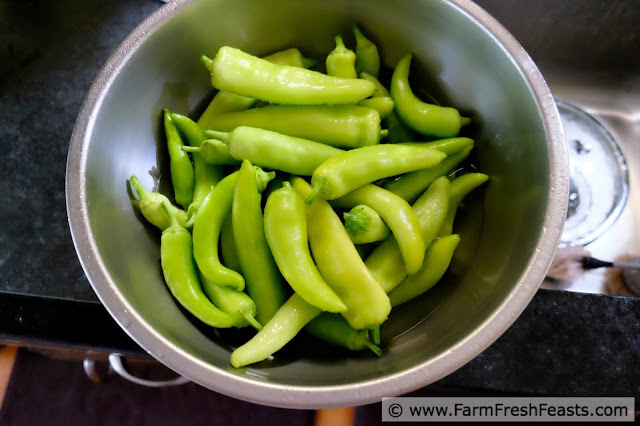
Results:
x,y
462,56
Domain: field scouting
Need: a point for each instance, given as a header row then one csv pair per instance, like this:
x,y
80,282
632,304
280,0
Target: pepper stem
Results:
x,y
221,136
252,321
372,346
317,189
191,212
383,134
208,62
356,223
375,334
263,178
464,121
308,62
191,148
172,218
141,190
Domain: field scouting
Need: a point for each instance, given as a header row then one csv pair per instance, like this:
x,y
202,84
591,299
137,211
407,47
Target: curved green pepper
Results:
x,y
285,224
382,104
226,102
206,230
367,57
422,117
334,329
341,62
276,151
460,187
343,126
150,204
343,173
232,302
398,132
238,72
261,274
284,326
181,276
206,175
367,304
398,215
386,262
182,176
364,225
409,186
436,263
213,152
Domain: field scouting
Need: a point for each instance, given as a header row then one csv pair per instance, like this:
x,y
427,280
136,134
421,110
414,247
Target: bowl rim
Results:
x,y
308,397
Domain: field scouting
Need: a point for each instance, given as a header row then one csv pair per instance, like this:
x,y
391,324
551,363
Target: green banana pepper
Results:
x,y
150,204
264,283
364,225
232,302
206,230
334,329
342,126
398,215
238,72
292,317
424,118
206,175
366,302
436,263
226,102
181,276
341,62
460,187
367,57
398,132
386,262
343,173
409,186
182,175
285,224
276,151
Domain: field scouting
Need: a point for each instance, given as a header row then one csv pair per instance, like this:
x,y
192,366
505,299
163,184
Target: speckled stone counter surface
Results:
x,y
50,52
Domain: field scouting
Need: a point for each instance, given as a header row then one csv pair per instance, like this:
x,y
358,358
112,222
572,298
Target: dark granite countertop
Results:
x,y
563,344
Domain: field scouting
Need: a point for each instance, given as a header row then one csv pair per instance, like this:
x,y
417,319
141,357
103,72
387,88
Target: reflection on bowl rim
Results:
x,y
304,397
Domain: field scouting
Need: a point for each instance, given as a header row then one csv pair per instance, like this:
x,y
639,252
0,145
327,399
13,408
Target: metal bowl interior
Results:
x,y
509,231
